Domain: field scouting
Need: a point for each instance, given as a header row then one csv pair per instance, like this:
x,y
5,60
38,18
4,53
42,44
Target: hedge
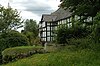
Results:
x,y
12,54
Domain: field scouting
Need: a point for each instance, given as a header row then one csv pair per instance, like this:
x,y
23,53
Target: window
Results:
x,y
68,20
48,33
44,34
48,23
51,38
48,38
58,23
48,28
76,17
63,21
43,39
69,25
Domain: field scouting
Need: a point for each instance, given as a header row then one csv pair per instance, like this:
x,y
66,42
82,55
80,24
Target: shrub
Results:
x,y
83,43
12,39
37,41
96,28
61,35
64,33
11,54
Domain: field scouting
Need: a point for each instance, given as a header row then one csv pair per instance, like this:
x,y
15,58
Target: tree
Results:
x,y
31,30
82,7
9,19
31,26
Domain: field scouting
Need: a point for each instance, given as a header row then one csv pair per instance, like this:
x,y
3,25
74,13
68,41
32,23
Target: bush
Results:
x,y
65,33
61,35
83,43
11,54
12,39
37,41
96,28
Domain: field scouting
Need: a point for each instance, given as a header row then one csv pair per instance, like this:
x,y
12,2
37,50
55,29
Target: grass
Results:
x,y
64,57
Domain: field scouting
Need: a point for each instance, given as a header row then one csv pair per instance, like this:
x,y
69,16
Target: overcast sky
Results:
x,y
32,9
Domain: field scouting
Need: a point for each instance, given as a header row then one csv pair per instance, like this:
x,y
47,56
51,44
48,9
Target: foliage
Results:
x,y
77,31
30,37
96,28
31,26
37,41
11,54
83,43
65,57
61,35
9,19
30,30
12,39
82,7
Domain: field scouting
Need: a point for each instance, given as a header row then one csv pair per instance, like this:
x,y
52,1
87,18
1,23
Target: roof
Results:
x,y
57,15
61,14
48,18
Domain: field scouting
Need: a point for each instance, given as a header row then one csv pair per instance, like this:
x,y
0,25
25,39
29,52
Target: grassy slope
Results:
x,y
64,57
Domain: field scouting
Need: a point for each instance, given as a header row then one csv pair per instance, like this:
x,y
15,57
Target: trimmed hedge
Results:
x,y
12,54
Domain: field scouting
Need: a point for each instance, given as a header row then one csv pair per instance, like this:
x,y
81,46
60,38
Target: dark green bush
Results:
x,y
96,28
61,35
82,43
64,33
12,39
11,54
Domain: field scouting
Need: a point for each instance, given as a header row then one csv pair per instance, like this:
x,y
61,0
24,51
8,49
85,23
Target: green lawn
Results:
x,y
63,57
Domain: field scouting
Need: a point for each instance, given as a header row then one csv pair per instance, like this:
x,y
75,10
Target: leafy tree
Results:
x,y
31,26
30,30
82,7
9,19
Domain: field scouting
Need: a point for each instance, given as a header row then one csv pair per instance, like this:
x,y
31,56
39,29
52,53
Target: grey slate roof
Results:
x,y
62,14
57,15
48,18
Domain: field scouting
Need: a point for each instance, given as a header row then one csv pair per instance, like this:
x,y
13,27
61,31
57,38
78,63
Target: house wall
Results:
x,y
47,29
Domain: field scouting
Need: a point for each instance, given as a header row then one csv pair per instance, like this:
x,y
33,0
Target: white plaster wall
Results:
x,y
43,24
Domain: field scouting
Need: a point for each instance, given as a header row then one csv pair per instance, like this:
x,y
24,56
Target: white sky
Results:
x,y
32,9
